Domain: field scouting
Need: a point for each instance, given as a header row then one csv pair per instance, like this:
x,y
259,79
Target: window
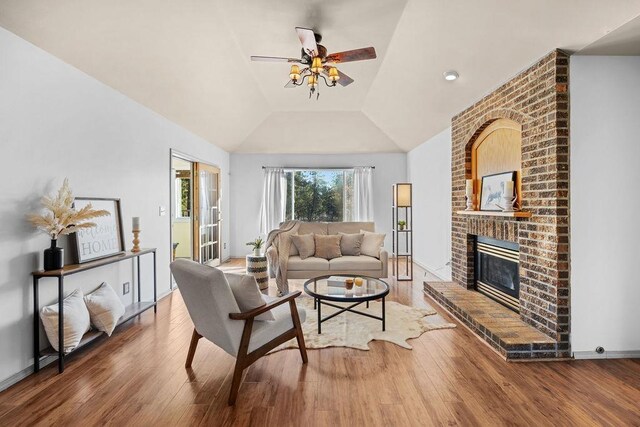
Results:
x,y
320,195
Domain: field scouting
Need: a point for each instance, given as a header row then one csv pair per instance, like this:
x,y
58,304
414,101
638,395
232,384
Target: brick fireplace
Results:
x,y
538,100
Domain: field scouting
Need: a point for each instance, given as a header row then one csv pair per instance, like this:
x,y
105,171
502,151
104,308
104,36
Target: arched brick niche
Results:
x,y
536,100
498,148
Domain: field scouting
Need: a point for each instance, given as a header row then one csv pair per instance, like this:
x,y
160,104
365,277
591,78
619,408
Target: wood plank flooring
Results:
x,y
137,378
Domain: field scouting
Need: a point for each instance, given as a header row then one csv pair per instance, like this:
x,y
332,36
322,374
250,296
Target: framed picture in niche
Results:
x,y
492,188
106,238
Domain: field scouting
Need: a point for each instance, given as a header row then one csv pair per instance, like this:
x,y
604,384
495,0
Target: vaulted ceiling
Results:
x,y
189,60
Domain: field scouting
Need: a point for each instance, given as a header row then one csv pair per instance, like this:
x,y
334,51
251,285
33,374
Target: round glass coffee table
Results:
x,y
334,288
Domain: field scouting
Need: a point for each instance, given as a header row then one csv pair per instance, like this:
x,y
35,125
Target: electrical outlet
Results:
x,y
126,288
224,245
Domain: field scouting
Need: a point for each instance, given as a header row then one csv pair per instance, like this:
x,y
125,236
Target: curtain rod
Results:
x,y
316,168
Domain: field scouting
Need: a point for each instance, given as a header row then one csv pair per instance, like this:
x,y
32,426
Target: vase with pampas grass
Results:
x,y
62,219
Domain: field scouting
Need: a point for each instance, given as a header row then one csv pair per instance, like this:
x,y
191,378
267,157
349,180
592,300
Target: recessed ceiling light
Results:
x,y
450,75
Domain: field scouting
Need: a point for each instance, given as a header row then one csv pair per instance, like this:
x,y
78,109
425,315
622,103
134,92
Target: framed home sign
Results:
x,y
492,189
106,238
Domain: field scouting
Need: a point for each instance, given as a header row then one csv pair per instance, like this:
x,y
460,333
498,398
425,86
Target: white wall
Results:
x,y
429,169
246,186
57,122
605,148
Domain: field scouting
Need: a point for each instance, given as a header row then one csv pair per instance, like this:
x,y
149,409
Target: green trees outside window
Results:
x,y
320,195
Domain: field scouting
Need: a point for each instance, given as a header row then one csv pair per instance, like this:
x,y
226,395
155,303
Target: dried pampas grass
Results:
x,y
62,218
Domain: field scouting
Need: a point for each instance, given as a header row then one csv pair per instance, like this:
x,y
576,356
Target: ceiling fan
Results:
x,y
317,63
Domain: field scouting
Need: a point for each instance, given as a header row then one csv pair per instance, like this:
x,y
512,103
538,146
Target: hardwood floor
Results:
x,y
137,377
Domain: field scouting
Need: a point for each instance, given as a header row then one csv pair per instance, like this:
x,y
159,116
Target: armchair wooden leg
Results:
x,y
235,383
192,348
242,361
299,335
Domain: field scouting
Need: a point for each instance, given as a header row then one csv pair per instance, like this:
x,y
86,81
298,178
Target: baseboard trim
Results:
x,y
586,355
16,378
166,294
432,270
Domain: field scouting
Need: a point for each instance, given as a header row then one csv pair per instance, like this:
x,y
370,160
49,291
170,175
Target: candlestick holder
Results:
x,y
469,202
136,241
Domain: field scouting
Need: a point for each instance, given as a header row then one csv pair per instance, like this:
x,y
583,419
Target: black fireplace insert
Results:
x,y
497,271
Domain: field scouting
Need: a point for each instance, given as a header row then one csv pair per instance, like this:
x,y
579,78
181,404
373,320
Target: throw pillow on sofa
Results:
x,y
247,294
76,321
328,247
293,251
372,243
350,244
305,244
105,308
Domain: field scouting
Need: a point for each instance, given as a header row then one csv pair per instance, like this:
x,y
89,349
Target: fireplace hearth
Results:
x,y
497,271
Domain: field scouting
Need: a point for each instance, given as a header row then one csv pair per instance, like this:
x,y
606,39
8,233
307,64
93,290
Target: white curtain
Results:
x,y
274,199
363,194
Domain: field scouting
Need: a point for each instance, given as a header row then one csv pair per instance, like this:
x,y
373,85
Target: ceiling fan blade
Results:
x,y
344,79
352,55
274,59
308,40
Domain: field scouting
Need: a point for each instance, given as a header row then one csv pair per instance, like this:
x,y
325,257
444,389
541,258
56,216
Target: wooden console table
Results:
x,y
131,310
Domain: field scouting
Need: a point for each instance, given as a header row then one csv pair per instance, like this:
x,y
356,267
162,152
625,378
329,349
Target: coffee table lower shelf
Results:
x,y
317,304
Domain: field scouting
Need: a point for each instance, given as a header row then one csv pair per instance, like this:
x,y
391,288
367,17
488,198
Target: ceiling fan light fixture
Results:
x,y
316,64
333,74
450,75
294,74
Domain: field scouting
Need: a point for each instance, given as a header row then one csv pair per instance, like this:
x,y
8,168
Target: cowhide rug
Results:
x,y
355,331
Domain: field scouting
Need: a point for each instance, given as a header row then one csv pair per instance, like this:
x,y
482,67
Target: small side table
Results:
x,y
257,267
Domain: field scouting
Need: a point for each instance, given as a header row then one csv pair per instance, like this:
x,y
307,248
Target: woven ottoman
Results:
x,y
257,267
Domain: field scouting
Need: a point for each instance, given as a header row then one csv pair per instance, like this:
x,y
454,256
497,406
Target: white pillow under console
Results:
x,y
76,321
105,308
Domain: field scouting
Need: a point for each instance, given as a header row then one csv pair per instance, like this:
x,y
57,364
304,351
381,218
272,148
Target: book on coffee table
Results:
x,y
336,281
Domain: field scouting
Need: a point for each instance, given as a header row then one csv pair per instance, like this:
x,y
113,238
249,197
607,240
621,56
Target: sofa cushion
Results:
x,y
312,263
355,263
305,244
293,250
349,227
328,247
372,243
312,228
350,244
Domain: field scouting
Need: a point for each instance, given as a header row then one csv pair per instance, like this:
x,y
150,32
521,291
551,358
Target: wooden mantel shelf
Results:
x,y
494,213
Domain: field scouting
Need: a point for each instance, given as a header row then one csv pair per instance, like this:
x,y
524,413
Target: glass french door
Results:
x,y
206,224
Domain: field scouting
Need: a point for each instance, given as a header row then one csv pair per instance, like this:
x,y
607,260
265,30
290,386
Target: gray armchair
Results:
x,y
217,317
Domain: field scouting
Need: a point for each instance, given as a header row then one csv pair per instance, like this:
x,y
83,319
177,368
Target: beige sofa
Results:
x,y
312,267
